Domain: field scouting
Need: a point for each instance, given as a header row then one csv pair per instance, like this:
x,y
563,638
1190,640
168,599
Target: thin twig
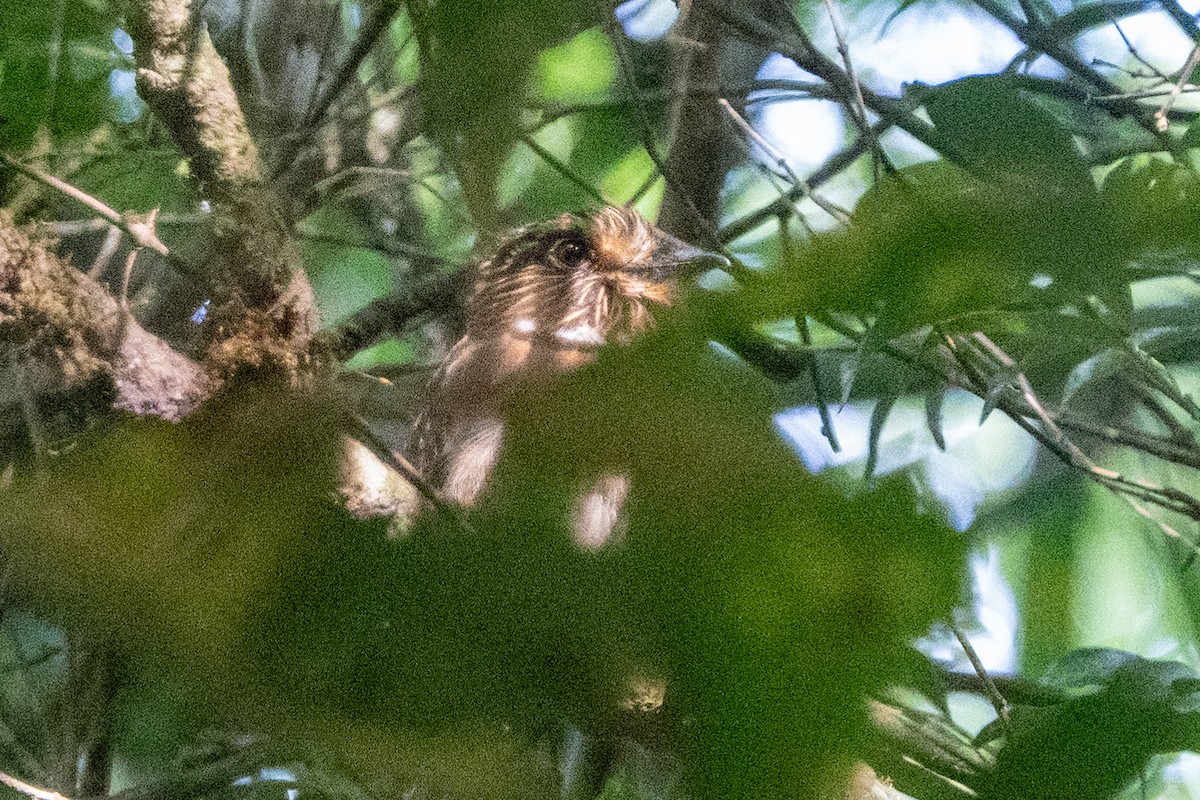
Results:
x,y
38,438
1031,399
1167,450
1166,497
1035,36
834,165
29,790
975,381
562,169
858,109
333,181
993,694
1182,18
958,786
126,274
830,208
372,30
1147,397
818,387
1146,94
1133,52
78,227
629,74
55,54
361,431
1167,530
1185,74
392,314
797,48
108,247
141,231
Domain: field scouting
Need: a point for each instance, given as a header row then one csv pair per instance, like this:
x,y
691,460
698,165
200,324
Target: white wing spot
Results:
x,y
580,334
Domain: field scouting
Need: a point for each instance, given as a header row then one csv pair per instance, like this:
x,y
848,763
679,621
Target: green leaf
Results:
x,y
477,60
1006,138
934,399
1103,365
933,244
138,180
879,416
1153,204
75,99
1088,667
1086,16
1095,743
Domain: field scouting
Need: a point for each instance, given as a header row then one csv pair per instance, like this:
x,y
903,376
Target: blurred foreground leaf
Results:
x,y
770,602
70,100
1118,710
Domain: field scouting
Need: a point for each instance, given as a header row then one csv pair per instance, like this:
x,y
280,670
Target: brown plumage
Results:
x,y
552,294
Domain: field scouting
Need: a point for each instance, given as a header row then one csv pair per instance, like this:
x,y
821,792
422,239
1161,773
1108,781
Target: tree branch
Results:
x,y
74,332
259,290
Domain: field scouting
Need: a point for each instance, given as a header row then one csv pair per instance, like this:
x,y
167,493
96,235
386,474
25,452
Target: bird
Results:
x,y
549,298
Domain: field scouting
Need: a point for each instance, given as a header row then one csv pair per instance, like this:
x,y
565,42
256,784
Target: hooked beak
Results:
x,y
687,261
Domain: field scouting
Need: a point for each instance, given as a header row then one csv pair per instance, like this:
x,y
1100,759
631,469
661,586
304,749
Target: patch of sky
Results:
x,y
646,20
979,460
122,87
929,42
1155,38
123,41
989,623
1182,777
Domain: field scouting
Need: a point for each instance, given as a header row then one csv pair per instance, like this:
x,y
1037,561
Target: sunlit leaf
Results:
x,y
580,70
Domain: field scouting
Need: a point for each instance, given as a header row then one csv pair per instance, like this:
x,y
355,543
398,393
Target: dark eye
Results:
x,y
570,252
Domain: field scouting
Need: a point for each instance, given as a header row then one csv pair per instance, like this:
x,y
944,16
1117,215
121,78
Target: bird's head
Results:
x,y
581,279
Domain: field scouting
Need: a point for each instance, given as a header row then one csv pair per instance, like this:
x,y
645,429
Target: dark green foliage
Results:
x,y
1118,710
766,587
477,61
770,603
757,591
138,180
74,99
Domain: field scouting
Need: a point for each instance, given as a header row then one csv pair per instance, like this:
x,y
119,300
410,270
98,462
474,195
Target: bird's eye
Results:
x,y
570,252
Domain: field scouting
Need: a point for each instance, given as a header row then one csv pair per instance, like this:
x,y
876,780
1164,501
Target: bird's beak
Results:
x,y
686,261
696,261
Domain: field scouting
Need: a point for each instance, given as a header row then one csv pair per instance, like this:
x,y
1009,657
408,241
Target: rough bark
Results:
x,y
71,334
263,311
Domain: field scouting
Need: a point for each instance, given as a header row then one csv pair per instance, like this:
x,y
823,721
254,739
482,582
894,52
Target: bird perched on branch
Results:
x,y
552,294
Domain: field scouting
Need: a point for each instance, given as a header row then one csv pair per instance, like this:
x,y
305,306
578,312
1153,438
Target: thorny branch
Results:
x,y
965,363
141,231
